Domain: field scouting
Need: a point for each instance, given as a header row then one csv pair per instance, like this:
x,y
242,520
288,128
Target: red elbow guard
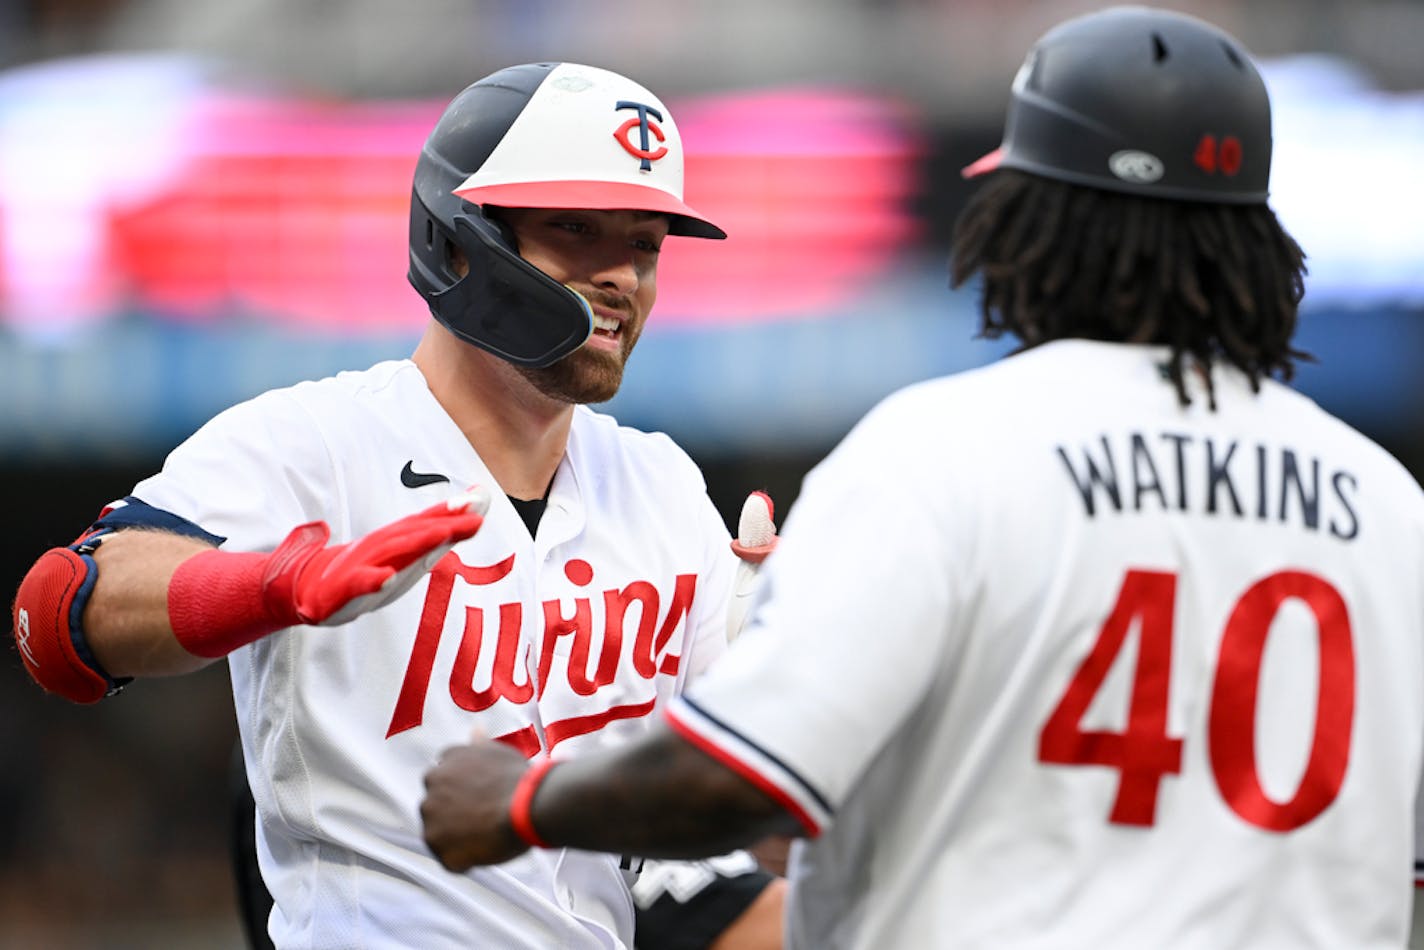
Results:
x,y
47,613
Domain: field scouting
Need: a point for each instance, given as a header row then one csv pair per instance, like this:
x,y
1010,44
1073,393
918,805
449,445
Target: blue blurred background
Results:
x,y
200,200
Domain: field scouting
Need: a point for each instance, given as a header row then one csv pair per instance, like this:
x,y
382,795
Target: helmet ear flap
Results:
x,y
507,306
453,254
495,216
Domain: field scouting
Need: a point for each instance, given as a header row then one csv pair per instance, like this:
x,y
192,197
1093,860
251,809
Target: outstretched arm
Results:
x,y
125,623
659,796
137,602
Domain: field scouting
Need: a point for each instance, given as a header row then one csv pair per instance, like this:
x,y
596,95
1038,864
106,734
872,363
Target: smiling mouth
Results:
x,y
606,326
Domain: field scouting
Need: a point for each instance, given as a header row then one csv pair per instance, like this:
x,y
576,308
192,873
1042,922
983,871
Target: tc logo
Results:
x,y
646,129
22,636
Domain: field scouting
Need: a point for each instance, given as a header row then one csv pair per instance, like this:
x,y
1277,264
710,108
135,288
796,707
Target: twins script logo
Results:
x,y
646,129
633,643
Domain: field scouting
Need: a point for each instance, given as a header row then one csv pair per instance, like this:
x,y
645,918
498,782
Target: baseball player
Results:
x,y
1115,643
498,556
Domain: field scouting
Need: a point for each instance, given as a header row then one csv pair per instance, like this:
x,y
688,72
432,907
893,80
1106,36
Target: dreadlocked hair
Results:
x,y
1211,281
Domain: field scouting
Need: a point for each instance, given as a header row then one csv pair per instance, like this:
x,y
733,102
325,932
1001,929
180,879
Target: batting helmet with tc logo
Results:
x,y
541,135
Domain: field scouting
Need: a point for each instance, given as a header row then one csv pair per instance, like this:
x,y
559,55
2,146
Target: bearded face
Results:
x,y
590,374
611,258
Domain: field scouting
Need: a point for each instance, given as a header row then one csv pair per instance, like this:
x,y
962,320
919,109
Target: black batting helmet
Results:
x,y
1144,101
540,135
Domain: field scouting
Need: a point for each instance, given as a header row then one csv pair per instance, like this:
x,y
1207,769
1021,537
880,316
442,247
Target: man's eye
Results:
x,y
651,247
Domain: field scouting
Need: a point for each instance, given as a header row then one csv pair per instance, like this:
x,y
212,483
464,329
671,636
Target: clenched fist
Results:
x,y
467,801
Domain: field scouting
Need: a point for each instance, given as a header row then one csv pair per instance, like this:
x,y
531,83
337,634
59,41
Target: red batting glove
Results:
x,y
220,600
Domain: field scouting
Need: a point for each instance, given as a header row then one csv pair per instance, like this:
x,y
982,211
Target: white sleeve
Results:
x,y
848,630
250,475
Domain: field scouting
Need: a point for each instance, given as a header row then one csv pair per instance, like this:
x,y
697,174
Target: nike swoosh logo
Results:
x,y
410,478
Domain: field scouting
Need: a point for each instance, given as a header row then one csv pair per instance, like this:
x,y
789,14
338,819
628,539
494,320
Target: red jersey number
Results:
x,y
1143,752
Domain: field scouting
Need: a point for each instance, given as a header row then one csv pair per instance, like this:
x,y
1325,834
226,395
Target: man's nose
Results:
x,y
617,272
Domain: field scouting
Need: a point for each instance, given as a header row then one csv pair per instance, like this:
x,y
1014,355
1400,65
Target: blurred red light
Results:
x,y
298,211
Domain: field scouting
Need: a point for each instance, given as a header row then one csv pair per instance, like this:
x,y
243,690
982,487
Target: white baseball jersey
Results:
x,y
562,642
1045,660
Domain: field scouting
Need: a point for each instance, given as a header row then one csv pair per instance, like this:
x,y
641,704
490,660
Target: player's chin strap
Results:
x,y
48,615
756,538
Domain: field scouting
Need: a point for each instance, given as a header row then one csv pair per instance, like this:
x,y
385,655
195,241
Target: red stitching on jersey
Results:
x,y
525,741
582,725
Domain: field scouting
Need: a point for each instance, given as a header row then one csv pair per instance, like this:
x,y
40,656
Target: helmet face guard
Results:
x,y
1142,101
507,306
546,135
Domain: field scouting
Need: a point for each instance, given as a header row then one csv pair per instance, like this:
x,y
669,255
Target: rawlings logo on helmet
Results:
x,y
645,128
1135,166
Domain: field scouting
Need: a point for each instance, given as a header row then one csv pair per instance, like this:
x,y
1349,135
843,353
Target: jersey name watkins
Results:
x,y
620,629
1170,471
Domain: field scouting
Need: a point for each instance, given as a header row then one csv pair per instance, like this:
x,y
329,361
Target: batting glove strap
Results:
x,y
48,627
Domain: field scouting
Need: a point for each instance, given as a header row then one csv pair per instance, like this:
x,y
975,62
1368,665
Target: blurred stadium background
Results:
x,y
200,200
